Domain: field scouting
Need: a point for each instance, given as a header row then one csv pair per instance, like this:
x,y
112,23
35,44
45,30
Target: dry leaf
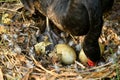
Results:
x,y
6,18
2,29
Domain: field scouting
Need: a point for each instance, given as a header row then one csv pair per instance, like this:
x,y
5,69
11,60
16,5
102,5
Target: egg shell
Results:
x,y
68,55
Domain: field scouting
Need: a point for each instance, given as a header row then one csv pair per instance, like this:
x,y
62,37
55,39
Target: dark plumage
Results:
x,y
77,17
107,5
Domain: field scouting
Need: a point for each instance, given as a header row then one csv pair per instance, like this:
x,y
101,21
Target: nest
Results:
x,y
18,60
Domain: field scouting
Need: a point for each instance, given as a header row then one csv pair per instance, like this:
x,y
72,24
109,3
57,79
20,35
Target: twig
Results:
x,y
40,66
39,70
7,0
99,66
73,38
67,74
12,10
81,65
108,73
26,77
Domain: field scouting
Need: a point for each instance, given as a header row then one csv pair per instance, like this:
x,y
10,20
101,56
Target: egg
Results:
x,y
40,47
67,53
82,57
102,47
